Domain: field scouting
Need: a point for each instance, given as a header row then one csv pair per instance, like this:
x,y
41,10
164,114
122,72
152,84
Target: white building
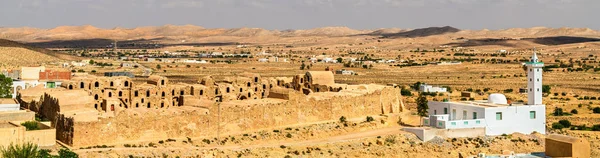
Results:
x,y
263,60
497,115
430,88
9,104
344,72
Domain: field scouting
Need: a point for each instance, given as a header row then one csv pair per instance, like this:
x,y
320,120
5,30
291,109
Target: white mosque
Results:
x,y
496,115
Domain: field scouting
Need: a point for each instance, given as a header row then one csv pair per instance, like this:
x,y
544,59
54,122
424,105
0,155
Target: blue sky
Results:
x,y
302,14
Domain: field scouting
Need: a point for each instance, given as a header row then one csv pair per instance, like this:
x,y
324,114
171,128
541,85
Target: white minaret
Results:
x,y
534,80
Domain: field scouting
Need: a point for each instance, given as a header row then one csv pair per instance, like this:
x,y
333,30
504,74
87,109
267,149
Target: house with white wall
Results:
x,y
430,88
496,115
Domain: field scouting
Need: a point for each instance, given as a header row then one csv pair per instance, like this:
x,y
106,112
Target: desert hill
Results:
x,y
17,54
196,35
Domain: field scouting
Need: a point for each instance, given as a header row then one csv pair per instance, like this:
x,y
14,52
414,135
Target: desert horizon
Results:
x,y
349,78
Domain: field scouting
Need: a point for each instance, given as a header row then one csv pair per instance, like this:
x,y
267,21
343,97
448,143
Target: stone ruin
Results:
x,y
119,109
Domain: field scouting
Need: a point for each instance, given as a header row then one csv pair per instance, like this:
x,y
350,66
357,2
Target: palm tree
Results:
x,y
27,150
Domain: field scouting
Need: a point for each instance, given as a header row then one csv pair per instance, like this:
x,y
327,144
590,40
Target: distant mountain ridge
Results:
x,y
183,32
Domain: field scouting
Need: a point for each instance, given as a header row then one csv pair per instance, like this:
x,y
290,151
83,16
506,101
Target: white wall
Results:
x,y
10,107
534,84
439,107
515,119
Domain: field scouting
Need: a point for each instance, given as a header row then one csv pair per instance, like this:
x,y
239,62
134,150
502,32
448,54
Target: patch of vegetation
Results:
x,y
343,119
596,110
369,119
31,125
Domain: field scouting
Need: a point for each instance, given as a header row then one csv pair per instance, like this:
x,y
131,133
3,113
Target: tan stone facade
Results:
x,y
566,146
119,110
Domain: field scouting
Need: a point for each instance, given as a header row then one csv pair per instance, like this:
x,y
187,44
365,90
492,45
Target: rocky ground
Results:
x,y
354,138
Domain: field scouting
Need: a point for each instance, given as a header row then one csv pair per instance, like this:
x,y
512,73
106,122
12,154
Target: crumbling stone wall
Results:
x,y
234,117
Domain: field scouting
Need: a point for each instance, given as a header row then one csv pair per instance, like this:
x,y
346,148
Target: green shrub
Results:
x,y
66,153
596,110
596,127
557,126
288,135
405,92
574,111
27,150
558,112
343,119
206,141
565,123
31,125
369,119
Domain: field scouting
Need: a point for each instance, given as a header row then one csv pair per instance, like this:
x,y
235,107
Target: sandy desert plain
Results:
x,y
490,62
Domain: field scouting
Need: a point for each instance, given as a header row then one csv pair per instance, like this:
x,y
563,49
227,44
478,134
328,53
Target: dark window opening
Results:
x,y
126,83
162,82
162,105
227,90
137,105
163,94
181,93
255,79
81,85
120,94
70,86
96,84
148,105
109,94
148,93
241,89
201,92
248,84
112,84
96,97
135,93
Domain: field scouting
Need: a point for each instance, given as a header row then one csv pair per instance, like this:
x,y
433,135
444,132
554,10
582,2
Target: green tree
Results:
x,y
158,66
5,86
546,88
91,62
339,60
422,106
558,112
27,150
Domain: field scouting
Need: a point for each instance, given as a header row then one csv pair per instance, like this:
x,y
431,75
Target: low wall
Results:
x,y
10,133
13,132
45,137
226,118
20,115
426,133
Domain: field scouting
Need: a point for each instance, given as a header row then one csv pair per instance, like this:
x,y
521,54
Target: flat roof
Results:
x,y
482,103
7,125
8,101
